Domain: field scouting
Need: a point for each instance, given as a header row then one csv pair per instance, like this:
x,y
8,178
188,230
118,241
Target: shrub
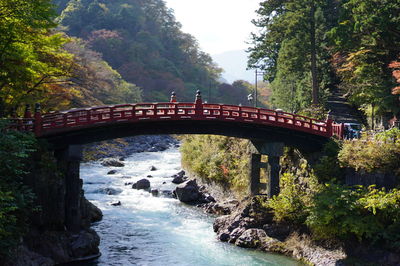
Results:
x,y
293,202
218,158
367,213
15,198
328,166
379,153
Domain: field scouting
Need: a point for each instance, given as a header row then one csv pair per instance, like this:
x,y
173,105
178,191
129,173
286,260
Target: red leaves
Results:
x,y
396,74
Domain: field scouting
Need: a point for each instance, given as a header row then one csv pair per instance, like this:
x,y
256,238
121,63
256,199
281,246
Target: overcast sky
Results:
x,y
218,25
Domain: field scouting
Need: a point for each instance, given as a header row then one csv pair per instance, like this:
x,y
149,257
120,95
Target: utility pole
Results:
x,y
258,73
209,91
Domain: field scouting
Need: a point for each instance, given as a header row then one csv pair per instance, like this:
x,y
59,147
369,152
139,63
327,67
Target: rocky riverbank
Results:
x,y
252,226
248,223
122,148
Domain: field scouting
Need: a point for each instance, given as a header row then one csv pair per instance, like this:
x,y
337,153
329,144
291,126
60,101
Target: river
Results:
x,y
147,230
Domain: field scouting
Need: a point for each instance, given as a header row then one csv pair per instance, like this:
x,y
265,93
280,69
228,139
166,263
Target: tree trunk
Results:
x,y
313,51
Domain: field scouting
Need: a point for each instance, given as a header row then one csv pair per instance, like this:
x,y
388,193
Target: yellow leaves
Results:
x,y
353,60
371,154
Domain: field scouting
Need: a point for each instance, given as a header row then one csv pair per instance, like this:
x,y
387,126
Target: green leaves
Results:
x,y
291,49
378,153
15,199
218,158
367,213
368,37
145,44
31,55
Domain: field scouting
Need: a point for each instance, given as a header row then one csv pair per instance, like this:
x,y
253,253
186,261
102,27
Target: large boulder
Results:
x,y
111,162
188,192
85,244
251,238
142,184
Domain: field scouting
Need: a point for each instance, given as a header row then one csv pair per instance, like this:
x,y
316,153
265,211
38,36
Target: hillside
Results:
x,y
144,43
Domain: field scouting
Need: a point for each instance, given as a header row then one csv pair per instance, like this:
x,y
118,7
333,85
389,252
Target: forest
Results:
x,y
309,49
85,53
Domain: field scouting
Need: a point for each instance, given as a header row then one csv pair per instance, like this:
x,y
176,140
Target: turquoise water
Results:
x,y
147,230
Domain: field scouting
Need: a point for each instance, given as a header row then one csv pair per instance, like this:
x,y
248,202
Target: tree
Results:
x,y
143,41
366,41
94,81
291,48
31,54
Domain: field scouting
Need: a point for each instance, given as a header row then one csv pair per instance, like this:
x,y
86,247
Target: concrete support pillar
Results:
x,y
273,180
69,161
274,151
255,161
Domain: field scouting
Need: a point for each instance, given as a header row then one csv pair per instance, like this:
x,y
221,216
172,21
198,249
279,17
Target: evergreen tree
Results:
x,y
291,48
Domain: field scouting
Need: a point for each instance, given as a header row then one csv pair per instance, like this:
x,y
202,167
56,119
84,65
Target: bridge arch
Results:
x,y
81,126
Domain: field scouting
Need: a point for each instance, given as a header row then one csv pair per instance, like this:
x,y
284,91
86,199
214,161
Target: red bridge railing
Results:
x,y
55,123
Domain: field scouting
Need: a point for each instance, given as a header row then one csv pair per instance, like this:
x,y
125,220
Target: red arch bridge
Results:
x,y
269,131
80,126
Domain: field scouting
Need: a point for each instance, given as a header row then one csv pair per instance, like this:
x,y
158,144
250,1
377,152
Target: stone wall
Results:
x,y
380,179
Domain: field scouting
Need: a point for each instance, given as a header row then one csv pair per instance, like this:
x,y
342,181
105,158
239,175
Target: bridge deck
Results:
x,y
58,123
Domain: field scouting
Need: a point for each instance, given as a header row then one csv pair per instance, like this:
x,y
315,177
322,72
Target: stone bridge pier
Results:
x,y
274,150
68,160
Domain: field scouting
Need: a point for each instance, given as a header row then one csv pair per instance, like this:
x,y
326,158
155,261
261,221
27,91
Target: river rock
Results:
x,y
155,192
149,176
167,193
111,162
251,238
253,215
118,203
178,180
95,214
142,184
108,191
85,244
188,192
279,231
112,172
217,208
153,168
128,183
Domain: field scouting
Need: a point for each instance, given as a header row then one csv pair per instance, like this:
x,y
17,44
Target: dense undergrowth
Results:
x,y
316,196
219,159
380,152
16,200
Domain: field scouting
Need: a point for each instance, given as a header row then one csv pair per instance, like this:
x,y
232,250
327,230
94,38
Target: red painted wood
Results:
x,y
77,118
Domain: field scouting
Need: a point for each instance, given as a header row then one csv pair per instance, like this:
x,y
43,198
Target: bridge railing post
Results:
x,y
38,120
27,114
329,130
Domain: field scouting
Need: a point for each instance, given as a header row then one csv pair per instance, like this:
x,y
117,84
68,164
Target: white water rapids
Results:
x,y
147,230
